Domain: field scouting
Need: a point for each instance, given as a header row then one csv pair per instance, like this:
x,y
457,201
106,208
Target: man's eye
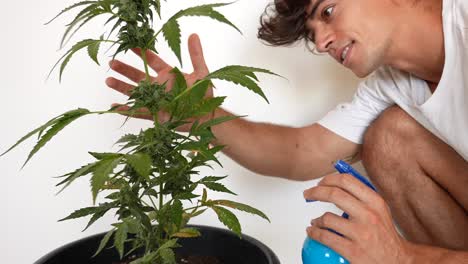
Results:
x,y
327,12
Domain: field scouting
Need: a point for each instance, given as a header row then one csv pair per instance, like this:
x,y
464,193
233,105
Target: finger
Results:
x,y
341,245
196,55
154,61
353,186
337,196
165,78
128,71
337,223
119,85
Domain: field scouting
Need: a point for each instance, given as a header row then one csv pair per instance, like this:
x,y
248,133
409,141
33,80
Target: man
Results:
x,y
408,123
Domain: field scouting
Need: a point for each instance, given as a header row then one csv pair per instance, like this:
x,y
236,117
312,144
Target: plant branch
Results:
x,y
145,62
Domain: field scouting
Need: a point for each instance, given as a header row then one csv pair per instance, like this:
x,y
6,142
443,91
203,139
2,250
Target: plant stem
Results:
x,y
193,207
145,203
152,202
145,62
161,195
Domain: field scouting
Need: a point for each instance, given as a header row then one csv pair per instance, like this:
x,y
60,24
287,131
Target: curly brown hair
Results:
x,y
283,23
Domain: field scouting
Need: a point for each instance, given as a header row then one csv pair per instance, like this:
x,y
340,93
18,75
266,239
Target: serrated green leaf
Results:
x,y
81,17
116,25
76,174
113,196
208,11
176,212
141,163
242,80
204,196
167,256
169,244
205,134
208,105
78,46
208,154
57,126
101,174
241,207
147,259
197,213
216,121
198,91
180,83
191,145
171,29
133,225
37,130
243,69
217,187
186,196
120,237
212,178
69,54
103,243
81,213
93,50
194,126
171,32
157,6
69,8
127,138
187,232
228,219
103,210
104,155
241,75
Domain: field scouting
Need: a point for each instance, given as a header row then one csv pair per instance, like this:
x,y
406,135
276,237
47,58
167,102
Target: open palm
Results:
x,y
163,70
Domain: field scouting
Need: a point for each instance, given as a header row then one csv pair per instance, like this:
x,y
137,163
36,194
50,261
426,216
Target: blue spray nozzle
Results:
x,y
343,167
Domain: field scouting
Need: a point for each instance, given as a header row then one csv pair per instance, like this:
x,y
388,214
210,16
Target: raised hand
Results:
x,y
163,70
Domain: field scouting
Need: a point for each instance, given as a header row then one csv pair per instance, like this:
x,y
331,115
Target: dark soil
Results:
x,y
199,260
184,260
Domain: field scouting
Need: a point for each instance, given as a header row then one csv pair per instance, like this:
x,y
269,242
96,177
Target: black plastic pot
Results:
x,y
214,242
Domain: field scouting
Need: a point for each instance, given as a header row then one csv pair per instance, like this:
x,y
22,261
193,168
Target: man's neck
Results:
x,y
418,44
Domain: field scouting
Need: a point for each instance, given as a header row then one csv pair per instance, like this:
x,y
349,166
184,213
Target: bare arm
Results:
x,y
294,153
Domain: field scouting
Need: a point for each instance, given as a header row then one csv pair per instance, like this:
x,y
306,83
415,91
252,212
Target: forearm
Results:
x,y
429,255
262,148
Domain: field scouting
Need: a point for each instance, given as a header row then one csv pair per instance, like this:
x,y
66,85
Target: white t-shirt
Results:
x,y
444,113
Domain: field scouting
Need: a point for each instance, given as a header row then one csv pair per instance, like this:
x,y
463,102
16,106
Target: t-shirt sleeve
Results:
x,y
350,120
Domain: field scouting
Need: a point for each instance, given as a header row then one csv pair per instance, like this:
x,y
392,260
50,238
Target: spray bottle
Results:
x,y
314,252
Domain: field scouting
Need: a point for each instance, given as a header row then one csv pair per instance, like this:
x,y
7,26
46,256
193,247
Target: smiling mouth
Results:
x,y
344,53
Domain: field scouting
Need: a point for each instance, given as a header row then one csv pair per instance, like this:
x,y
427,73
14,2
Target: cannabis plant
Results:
x,y
152,183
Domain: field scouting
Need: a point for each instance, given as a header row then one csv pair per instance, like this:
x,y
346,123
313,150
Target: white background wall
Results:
x,y
29,207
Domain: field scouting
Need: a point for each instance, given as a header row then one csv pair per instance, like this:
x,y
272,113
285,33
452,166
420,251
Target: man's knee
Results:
x,y
393,126
387,144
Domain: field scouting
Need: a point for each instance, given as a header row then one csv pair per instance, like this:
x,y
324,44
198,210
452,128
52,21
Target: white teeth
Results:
x,y
345,52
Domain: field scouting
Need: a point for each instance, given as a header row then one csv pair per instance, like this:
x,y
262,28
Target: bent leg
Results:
x,y
424,181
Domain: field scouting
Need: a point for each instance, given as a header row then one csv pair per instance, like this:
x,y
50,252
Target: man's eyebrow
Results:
x,y
314,9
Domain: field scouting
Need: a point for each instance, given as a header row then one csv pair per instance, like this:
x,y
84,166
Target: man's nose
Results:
x,y
324,39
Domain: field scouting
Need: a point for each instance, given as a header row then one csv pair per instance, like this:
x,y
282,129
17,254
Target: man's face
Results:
x,y
356,33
